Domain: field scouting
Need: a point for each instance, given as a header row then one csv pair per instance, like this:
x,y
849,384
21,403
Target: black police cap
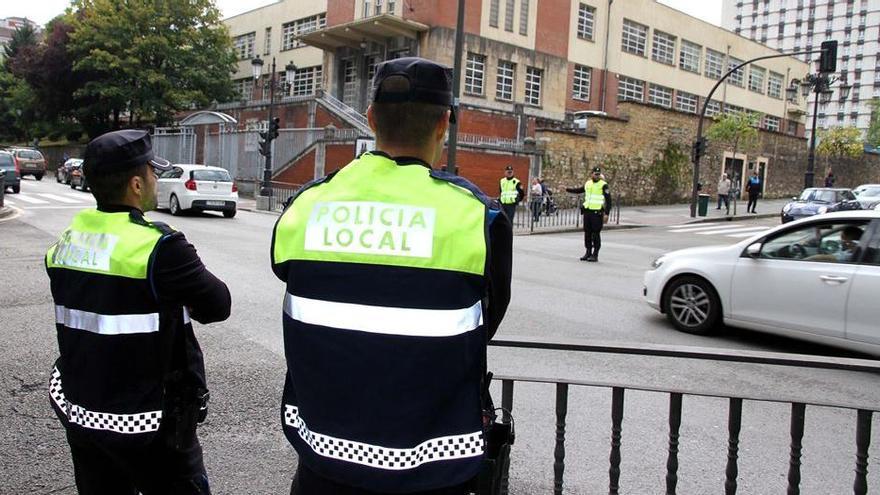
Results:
x,y
121,150
597,170
429,82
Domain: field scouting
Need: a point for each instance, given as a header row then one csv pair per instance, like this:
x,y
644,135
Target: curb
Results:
x,y
264,212
7,212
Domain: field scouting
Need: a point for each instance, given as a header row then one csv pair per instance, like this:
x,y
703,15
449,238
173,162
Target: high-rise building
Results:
x,y
800,25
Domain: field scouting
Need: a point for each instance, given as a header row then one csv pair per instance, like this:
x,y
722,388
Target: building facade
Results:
x,y
8,27
796,25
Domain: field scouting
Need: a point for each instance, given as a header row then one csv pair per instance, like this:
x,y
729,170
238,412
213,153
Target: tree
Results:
x,y
840,142
147,59
873,136
737,130
22,38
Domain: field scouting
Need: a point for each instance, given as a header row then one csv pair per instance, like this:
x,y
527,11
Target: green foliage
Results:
x,y
873,136
841,142
669,173
22,38
737,130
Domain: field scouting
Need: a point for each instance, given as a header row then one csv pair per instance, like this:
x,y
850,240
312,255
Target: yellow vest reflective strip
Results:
x,y
383,319
594,197
107,324
381,457
508,191
144,422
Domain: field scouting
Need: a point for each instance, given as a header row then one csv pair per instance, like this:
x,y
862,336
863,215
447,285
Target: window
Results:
x,y
774,85
291,30
211,175
824,242
686,102
473,74
533,85
494,7
630,89
714,64
367,4
660,95
738,77
349,82
581,86
508,15
306,81
586,21
244,87
504,80
663,48
635,37
267,45
713,108
244,45
756,79
771,123
689,56
524,17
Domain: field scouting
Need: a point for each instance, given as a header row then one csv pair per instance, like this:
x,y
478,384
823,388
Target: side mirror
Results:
x,y
794,198
754,250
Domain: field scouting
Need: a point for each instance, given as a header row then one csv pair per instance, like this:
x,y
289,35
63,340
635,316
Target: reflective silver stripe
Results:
x,y
107,324
144,422
376,456
383,319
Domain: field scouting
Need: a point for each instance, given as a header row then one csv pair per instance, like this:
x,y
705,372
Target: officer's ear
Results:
x,y
442,126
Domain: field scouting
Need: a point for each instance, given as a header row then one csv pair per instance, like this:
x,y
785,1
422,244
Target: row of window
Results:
x,y
245,44
377,7
305,82
475,77
509,15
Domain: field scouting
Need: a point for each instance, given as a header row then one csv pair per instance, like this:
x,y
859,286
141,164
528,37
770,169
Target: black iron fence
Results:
x,y
281,192
546,214
863,416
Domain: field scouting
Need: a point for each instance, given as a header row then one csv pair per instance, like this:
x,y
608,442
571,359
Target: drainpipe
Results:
x,y
605,57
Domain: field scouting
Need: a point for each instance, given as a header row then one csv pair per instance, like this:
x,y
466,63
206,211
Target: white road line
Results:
x,y
8,202
696,229
732,231
81,197
58,198
748,234
28,199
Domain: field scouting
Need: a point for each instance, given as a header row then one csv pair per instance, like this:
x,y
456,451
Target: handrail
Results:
x,y
346,112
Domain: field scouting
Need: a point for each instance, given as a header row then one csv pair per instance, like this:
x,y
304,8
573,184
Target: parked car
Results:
x,y
78,179
29,162
62,175
818,200
815,279
198,188
868,195
11,177
582,117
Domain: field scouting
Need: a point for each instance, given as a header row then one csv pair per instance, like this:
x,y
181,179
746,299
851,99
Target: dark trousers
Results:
x,y
592,231
726,199
307,482
159,468
509,210
753,202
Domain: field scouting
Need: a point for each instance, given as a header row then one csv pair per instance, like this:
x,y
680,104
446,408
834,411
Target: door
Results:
x,y
862,312
165,184
800,280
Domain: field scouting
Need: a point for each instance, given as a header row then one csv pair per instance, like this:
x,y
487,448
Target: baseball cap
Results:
x,y
597,170
508,168
120,150
428,81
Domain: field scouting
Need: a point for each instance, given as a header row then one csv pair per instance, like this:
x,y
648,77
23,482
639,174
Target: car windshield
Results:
x,y
212,175
6,162
30,155
817,196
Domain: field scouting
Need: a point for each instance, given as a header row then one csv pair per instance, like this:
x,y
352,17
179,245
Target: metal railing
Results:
x,y
346,112
281,192
542,214
674,415
238,151
491,141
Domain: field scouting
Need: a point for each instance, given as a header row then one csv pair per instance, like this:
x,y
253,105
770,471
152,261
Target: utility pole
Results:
x,y
456,88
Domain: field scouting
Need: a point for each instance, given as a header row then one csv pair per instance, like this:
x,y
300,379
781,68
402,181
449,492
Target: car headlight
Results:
x,y
656,263
786,208
822,209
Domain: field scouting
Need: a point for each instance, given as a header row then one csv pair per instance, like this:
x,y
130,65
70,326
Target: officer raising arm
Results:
x,y
396,276
129,384
596,208
511,192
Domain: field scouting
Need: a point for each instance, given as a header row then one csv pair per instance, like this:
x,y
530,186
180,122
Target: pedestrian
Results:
x,y
129,384
754,190
511,193
596,208
829,179
396,277
724,192
537,198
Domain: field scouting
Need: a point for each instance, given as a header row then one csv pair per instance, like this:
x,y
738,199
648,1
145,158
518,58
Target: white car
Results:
x,y
197,188
814,279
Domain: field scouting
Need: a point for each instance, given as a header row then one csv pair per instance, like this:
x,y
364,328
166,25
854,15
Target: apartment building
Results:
x,y
800,25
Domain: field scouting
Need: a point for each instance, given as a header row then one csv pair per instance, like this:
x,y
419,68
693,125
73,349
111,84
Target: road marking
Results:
x,y
8,202
749,234
695,229
81,196
732,231
61,199
33,201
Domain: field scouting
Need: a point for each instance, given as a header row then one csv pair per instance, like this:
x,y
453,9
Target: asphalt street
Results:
x,y
555,297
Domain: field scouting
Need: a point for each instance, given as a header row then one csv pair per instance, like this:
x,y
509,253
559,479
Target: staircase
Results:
x,y
346,113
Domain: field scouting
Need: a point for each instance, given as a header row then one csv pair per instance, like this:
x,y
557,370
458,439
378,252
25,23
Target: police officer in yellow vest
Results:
x,y
396,276
129,383
596,208
511,192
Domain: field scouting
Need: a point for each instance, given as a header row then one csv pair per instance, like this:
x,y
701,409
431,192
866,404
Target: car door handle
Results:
x,y
831,279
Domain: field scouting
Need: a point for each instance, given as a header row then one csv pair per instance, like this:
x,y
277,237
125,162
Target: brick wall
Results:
x,y
340,11
552,27
487,122
444,13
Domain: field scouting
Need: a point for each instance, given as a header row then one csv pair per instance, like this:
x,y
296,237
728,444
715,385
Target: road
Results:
x,y
555,296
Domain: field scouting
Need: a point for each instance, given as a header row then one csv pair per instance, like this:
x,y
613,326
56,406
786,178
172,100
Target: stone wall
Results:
x,y
646,157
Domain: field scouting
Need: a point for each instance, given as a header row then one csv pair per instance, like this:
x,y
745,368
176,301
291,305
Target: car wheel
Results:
x,y
16,189
174,205
73,186
692,305
38,177
57,177
229,213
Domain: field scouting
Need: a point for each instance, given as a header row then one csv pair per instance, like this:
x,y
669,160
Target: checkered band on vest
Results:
x,y
435,449
145,422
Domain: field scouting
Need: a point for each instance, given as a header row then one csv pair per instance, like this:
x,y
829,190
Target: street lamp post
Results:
x,y
272,132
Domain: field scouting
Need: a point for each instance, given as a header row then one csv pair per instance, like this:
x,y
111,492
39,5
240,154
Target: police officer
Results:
x,y
396,276
511,192
596,208
129,384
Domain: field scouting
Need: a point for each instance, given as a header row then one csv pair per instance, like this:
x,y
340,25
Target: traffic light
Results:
x,y
273,127
265,143
699,148
828,57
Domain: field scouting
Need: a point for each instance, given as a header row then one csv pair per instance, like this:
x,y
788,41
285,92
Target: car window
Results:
x,y
872,251
29,154
6,161
833,242
847,196
212,175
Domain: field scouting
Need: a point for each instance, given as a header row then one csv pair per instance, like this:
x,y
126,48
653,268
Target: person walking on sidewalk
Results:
x,y
724,192
536,201
596,208
754,190
511,193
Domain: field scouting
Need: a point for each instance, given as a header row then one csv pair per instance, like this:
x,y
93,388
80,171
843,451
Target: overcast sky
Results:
x,y
42,11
